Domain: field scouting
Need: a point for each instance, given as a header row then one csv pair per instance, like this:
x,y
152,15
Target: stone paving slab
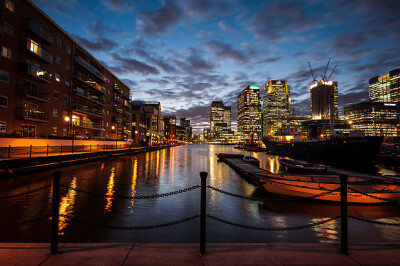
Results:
x,y
188,254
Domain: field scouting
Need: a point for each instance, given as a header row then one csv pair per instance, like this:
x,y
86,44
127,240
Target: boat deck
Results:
x,y
246,170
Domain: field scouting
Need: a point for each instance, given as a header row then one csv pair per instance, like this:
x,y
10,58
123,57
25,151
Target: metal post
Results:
x,y
61,149
30,151
90,148
344,241
9,151
203,176
56,210
47,149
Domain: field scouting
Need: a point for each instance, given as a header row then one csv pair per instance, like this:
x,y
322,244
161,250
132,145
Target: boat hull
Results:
x,y
338,149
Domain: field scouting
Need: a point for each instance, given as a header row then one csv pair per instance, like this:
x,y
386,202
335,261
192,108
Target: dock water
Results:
x,y
246,170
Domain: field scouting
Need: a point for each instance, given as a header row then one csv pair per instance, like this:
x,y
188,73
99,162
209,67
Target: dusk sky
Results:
x,y
188,53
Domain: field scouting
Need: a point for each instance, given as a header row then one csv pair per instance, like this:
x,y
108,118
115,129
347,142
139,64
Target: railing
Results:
x,y
30,114
36,72
88,109
38,51
202,212
118,99
87,95
117,109
89,124
91,68
117,119
88,81
36,93
38,29
118,89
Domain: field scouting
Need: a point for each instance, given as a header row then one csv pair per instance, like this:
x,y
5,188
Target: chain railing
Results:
x,y
203,187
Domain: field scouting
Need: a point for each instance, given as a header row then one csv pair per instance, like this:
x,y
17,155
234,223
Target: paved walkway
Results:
x,y
188,254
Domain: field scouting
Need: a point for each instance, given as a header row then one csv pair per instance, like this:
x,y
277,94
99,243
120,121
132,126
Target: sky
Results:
x,y
187,53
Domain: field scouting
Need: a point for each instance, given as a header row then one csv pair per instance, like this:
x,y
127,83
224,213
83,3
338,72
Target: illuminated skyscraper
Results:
x,y
385,88
249,111
276,106
220,118
322,94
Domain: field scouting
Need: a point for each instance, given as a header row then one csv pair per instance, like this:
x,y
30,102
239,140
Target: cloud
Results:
x,y
118,5
62,7
97,44
223,26
129,65
160,20
225,51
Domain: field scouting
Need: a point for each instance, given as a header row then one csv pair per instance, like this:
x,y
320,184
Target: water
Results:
x,y
171,170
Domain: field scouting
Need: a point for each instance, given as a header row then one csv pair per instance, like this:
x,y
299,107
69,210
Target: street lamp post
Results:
x,y
115,136
67,119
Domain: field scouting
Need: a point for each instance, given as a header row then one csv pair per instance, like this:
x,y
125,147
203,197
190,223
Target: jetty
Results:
x,y
247,170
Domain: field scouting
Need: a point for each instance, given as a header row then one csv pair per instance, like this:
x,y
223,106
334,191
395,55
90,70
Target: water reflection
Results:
x,y
134,180
110,190
67,207
327,232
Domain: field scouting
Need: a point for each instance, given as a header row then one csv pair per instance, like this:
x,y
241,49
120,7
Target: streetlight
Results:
x,y
136,138
115,136
67,119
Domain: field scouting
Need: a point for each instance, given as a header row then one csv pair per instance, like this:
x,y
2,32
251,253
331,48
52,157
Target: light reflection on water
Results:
x,y
170,170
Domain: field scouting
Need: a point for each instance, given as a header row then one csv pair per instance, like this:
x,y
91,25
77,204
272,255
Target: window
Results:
x,y
54,131
65,131
8,28
55,112
28,131
67,82
67,66
10,5
68,49
3,126
66,98
59,42
4,76
6,52
3,101
56,95
57,76
58,59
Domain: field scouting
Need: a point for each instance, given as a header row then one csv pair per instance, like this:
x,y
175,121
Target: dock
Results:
x,y
247,170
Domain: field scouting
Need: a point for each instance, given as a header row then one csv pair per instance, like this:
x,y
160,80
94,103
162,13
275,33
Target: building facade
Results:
x,y
46,76
220,118
249,112
276,106
385,88
148,122
324,98
185,124
169,127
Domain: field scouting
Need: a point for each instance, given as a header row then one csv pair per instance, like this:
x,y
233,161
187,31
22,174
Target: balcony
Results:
x,y
89,124
34,115
118,89
127,104
90,97
117,119
84,109
118,99
128,114
82,62
36,93
38,51
38,29
88,81
117,109
36,72
126,123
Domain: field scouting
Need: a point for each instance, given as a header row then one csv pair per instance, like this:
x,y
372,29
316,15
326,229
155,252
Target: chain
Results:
x,y
273,228
24,222
374,222
134,197
282,199
25,193
134,227
372,196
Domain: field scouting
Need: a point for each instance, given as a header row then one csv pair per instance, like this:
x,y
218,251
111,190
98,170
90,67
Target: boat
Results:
x,y
292,166
229,155
338,149
252,160
368,193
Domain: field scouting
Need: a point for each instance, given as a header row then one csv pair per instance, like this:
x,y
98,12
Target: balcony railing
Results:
x,y
88,109
35,49
118,99
127,113
88,124
91,97
88,81
127,104
126,123
117,110
36,72
90,68
117,119
38,29
118,89
36,93
29,114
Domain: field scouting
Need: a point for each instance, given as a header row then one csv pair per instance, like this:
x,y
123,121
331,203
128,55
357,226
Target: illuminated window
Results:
x,y
6,52
57,76
10,5
54,131
55,112
3,126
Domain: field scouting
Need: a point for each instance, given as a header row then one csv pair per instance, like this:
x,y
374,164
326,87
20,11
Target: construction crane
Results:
x,y
312,74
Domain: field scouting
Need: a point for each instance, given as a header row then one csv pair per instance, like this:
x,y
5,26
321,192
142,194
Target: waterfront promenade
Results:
x,y
188,254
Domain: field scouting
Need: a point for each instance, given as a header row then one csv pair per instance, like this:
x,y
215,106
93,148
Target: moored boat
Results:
x,y
252,160
229,155
292,166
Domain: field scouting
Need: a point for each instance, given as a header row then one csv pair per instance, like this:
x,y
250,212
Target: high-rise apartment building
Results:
x,y
385,88
220,118
46,76
169,127
185,123
324,98
249,112
276,106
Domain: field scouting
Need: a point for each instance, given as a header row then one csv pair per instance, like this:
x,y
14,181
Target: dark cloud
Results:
x,y
196,7
160,20
130,83
154,59
224,50
353,97
129,66
97,44
118,5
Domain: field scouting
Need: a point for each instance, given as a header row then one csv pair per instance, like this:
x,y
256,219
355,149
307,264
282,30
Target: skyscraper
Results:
x,y
322,94
385,88
276,106
185,123
220,118
249,111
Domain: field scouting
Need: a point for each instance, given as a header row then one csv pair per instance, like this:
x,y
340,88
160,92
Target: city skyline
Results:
x,y
187,54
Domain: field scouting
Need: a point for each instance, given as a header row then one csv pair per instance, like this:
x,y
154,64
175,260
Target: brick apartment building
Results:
x,y
45,76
